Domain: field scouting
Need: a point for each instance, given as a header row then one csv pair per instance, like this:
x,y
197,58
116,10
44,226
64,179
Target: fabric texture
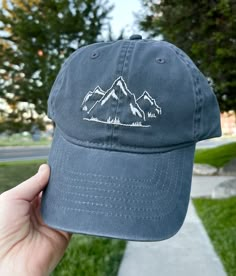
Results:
x,y
128,115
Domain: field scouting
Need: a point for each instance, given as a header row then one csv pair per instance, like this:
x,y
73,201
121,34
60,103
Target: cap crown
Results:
x,y
133,95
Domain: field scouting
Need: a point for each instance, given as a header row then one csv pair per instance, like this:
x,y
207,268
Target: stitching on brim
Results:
x,y
133,216
110,197
126,179
142,193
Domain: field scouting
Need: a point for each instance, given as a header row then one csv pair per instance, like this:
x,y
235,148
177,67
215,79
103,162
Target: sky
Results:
x,y
123,16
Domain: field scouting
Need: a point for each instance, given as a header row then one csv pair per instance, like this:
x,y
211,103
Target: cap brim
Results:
x,y
132,196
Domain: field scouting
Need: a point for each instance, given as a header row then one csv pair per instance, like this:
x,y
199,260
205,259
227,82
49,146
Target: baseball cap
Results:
x,y
127,115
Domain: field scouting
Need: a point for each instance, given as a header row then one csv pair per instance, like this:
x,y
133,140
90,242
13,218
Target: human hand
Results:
x,y
27,245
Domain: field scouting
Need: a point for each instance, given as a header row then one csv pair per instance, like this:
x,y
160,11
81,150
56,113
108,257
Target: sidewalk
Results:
x,y
188,253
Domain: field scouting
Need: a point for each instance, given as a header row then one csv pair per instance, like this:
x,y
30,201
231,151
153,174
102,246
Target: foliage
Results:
x,y
37,36
218,156
219,219
206,30
14,124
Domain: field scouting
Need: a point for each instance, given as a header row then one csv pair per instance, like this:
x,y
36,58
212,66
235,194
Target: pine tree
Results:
x,y
206,30
37,36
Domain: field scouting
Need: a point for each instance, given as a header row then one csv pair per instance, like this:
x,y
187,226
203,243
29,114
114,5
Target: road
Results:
x,y
41,152
23,153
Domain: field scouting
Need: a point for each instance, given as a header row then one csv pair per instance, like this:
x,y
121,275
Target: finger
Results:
x,y
66,235
28,189
35,202
37,198
40,194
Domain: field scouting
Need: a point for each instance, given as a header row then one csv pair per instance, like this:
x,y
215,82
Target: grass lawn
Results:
x,y
219,215
91,256
216,156
86,255
12,173
219,219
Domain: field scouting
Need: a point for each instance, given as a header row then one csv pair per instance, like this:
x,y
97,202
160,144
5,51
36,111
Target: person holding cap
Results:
x,y
28,246
128,115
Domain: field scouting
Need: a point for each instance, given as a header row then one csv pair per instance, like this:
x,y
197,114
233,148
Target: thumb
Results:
x,y
28,189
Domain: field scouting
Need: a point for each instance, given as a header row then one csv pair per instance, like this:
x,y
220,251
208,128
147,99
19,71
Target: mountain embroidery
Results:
x,y
135,112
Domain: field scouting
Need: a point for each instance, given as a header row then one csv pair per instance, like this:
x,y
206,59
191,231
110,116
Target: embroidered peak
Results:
x,y
135,112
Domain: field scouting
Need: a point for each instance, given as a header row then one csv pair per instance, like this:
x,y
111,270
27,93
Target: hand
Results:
x,y
27,245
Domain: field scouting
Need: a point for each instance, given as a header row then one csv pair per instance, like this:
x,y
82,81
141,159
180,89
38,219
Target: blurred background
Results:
x,y
36,37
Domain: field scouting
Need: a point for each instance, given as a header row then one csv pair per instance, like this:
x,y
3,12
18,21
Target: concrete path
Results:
x,y
215,142
188,253
202,186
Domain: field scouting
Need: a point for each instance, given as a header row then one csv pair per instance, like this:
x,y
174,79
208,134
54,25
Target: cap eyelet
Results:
x,y
210,82
94,54
160,60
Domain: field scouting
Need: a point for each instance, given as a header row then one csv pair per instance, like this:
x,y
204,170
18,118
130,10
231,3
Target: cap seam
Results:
x,y
55,89
197,90
126,148
61,75
122,58
129,51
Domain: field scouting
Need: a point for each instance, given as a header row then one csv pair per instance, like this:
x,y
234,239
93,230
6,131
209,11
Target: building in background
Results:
x,y
228,123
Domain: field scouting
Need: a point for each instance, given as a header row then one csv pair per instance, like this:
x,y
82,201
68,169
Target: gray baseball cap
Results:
x,y
128,115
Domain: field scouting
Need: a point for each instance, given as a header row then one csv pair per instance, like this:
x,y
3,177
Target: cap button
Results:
x,y
135,36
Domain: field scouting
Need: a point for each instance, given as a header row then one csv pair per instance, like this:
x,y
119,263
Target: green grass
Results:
x,y
91,256
12,173
219,219
219,216
217,157
86,255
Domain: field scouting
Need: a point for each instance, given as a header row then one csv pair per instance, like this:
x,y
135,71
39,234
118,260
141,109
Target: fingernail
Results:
x,y
42,168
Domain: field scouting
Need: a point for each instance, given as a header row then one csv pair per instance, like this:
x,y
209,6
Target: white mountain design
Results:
x,y
149,105
97,106
91,97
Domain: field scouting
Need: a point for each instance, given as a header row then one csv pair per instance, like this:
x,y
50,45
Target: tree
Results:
x,y
37,37
206,30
